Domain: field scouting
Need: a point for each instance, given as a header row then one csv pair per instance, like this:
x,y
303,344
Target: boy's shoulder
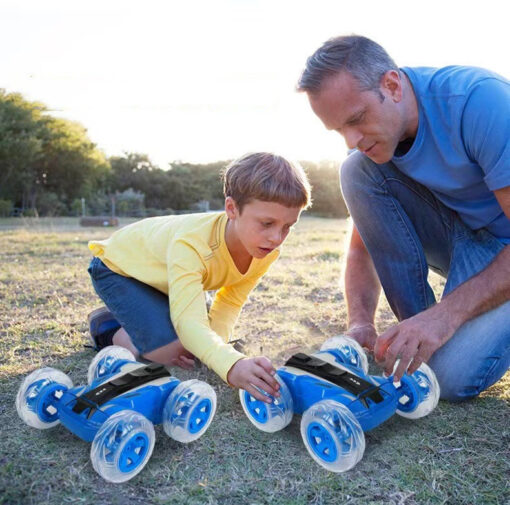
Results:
x,y
204,232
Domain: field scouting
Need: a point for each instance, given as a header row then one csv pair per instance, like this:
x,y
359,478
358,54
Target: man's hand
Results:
x,y
252,373
364,334
413,341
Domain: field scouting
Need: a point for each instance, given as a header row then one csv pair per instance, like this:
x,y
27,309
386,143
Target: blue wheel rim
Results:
x,y
351,356
45,399
199,416
134,452
256,408
415,393
321,442
110,364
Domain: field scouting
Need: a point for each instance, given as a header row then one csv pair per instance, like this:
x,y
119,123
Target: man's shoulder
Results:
x,y
453,80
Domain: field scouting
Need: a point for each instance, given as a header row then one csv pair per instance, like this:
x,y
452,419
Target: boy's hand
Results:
x,y
252,373
183,358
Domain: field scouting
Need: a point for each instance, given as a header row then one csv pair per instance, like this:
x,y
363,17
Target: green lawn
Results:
x,y
458,455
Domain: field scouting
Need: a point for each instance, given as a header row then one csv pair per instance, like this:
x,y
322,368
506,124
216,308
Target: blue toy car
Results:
x,y
339,401
117,410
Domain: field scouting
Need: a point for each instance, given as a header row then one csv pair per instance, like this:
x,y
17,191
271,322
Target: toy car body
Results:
x,y
339,401
117,410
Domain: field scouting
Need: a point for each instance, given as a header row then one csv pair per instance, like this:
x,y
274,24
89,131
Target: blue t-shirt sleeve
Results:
x,y
486,130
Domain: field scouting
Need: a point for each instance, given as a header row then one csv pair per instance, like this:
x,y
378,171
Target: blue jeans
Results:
x,y
406,231
144,312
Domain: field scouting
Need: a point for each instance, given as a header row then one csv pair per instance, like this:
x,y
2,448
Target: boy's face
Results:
x,y
261,227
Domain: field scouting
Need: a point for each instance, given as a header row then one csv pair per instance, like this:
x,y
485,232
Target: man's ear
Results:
x,y
231,208
391,85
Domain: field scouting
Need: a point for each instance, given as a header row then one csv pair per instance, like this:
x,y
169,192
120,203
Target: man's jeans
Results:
x,y
406,230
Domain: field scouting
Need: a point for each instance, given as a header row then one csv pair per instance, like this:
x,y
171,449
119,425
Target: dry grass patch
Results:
x,y
458,455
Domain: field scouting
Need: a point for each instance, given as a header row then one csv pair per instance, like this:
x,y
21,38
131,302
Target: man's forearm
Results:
x,y
483,292
362,286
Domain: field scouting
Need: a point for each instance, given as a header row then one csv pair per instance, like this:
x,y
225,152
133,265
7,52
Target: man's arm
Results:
x,y
417,338
362,289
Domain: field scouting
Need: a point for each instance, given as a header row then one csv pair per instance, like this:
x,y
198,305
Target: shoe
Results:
x,y
102,326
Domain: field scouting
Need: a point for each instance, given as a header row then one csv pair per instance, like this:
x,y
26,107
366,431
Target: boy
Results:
x,y
153,273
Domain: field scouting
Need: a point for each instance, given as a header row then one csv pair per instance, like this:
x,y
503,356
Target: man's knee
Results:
x,y
353,175
460,383
456,392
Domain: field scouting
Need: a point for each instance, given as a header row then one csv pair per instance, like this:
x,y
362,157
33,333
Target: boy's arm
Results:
x,y
227,306
189,314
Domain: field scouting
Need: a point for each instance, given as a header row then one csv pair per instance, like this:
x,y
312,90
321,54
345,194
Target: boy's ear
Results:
x,y
231,207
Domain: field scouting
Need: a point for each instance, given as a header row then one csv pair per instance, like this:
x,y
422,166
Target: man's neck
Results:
x,y
410,109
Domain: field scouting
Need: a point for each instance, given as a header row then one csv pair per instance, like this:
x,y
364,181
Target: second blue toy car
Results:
x,y
118,409
339,401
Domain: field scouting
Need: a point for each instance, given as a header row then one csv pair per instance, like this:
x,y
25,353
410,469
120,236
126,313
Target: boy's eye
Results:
x,y
267,224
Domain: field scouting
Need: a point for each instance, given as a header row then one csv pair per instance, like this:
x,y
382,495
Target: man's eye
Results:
x,y
356,120
266,225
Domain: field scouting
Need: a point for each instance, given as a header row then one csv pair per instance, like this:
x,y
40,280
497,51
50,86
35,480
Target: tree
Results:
x,y
20,146
42,154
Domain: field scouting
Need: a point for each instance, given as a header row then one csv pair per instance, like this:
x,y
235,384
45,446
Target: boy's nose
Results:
x,y
276,237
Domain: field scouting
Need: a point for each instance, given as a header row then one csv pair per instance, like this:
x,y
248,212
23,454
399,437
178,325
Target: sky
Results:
x,y
202,81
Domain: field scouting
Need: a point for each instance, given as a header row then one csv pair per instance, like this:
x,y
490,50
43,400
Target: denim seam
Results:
x,y
410,188
423,282
497,359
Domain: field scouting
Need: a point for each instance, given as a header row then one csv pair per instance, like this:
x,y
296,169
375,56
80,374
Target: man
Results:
x,y
428,186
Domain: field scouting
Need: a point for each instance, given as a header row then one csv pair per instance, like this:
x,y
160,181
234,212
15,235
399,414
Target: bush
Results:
x,y
130,203
6,207
48,204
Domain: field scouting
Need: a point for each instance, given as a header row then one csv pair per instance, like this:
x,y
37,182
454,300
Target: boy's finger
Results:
x,y
264,386
257,394
269,380
266,364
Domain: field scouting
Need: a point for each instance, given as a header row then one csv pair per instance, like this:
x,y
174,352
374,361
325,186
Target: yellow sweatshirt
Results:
x,y
183,256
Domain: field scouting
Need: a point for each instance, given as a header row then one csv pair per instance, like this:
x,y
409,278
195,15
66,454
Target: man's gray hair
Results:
x,y
363,58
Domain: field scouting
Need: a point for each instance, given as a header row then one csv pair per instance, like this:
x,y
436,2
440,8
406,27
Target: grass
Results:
x,y
458,455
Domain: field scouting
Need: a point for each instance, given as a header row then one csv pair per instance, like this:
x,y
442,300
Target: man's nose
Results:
x,y
352,137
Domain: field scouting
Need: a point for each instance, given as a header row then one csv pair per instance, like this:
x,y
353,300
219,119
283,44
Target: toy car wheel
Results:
x,y
332,435
189,410
351,352
122,446
269,417
420,393
37,397
106,360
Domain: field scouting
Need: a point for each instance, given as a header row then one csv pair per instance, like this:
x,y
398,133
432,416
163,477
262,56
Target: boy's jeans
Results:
x,y
406,230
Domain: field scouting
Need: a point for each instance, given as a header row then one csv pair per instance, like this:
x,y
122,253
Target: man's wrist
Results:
x,y
360,325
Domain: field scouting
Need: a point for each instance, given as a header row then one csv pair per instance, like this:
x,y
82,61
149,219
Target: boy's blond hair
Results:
x,y
267,177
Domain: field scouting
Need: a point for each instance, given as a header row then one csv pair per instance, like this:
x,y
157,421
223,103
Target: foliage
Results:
x,y
48,164
40,155
326,195
129,203
6,207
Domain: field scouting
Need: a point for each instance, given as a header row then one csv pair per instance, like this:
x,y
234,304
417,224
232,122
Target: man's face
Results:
x,y
370,121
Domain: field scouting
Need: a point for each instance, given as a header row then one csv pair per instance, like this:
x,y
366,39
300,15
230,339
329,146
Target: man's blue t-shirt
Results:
x,y
462,147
